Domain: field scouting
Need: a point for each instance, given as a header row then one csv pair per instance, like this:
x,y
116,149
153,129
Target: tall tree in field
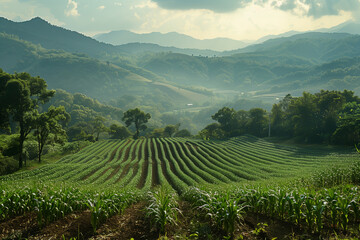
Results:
x,y
258,122
138,118
98,126
48,128
226,118
305,117
20,95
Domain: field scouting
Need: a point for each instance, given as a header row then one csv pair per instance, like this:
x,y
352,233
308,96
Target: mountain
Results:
x,y
171,39
76,72
282,35
316,46
48,36
295,63
347,27
39,31
141,48
169,78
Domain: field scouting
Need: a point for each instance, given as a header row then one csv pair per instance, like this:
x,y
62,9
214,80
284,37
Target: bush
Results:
x,y
183,133
52,148
31,149
73,147
9,144
8,165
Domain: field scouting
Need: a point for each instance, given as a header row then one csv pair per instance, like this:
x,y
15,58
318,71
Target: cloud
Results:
x,y
213,5
71,9
313,8
320,8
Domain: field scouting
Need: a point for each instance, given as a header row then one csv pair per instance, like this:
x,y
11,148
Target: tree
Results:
x,y
212,131
138,118
81,131
280,119
98,126
169,130
20,95
225,117
47,124
156,133
258,122
348,126
119,132
305,117
183,133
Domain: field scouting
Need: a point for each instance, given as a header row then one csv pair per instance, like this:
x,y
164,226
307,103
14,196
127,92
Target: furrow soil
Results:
x,y
135,155
164,161
145,167
183,164
174,165
127,152
206,165
101,174
155,179
124,172
113,173
122,150
193,164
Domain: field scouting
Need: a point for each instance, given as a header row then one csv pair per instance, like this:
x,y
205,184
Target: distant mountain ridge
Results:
x,y
75,72
171,39
276,44
55,37
105,71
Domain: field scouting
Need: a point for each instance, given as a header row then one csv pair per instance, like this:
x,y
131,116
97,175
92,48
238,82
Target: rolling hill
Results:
x,y
39,31
283,65
171,39
80,73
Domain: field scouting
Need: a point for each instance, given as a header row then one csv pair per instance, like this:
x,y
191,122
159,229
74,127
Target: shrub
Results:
x,y
8,165
73,147
31,149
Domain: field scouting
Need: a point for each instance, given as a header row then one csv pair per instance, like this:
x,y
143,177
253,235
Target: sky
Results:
x,y
202,19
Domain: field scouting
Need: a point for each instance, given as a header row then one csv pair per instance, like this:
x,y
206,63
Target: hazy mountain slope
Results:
x,y
320,47
39,31
302,64
79,73
245,71
141,48
171,39
347,27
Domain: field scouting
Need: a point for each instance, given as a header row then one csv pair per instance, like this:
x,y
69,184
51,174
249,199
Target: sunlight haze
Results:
x,y
236,19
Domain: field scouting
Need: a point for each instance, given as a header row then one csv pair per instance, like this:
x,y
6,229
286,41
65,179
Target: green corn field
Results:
x,y
313,189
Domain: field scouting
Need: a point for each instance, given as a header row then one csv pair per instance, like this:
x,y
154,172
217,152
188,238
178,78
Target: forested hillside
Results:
x,y
308,61
80,73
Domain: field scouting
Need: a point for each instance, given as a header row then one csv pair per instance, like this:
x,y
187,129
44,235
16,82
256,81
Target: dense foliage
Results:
x,y
327,116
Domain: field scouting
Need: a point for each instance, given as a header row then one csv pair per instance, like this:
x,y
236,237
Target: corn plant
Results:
x,y
105,205
98,212
343,206
224,211
319,208
309,214
163,209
